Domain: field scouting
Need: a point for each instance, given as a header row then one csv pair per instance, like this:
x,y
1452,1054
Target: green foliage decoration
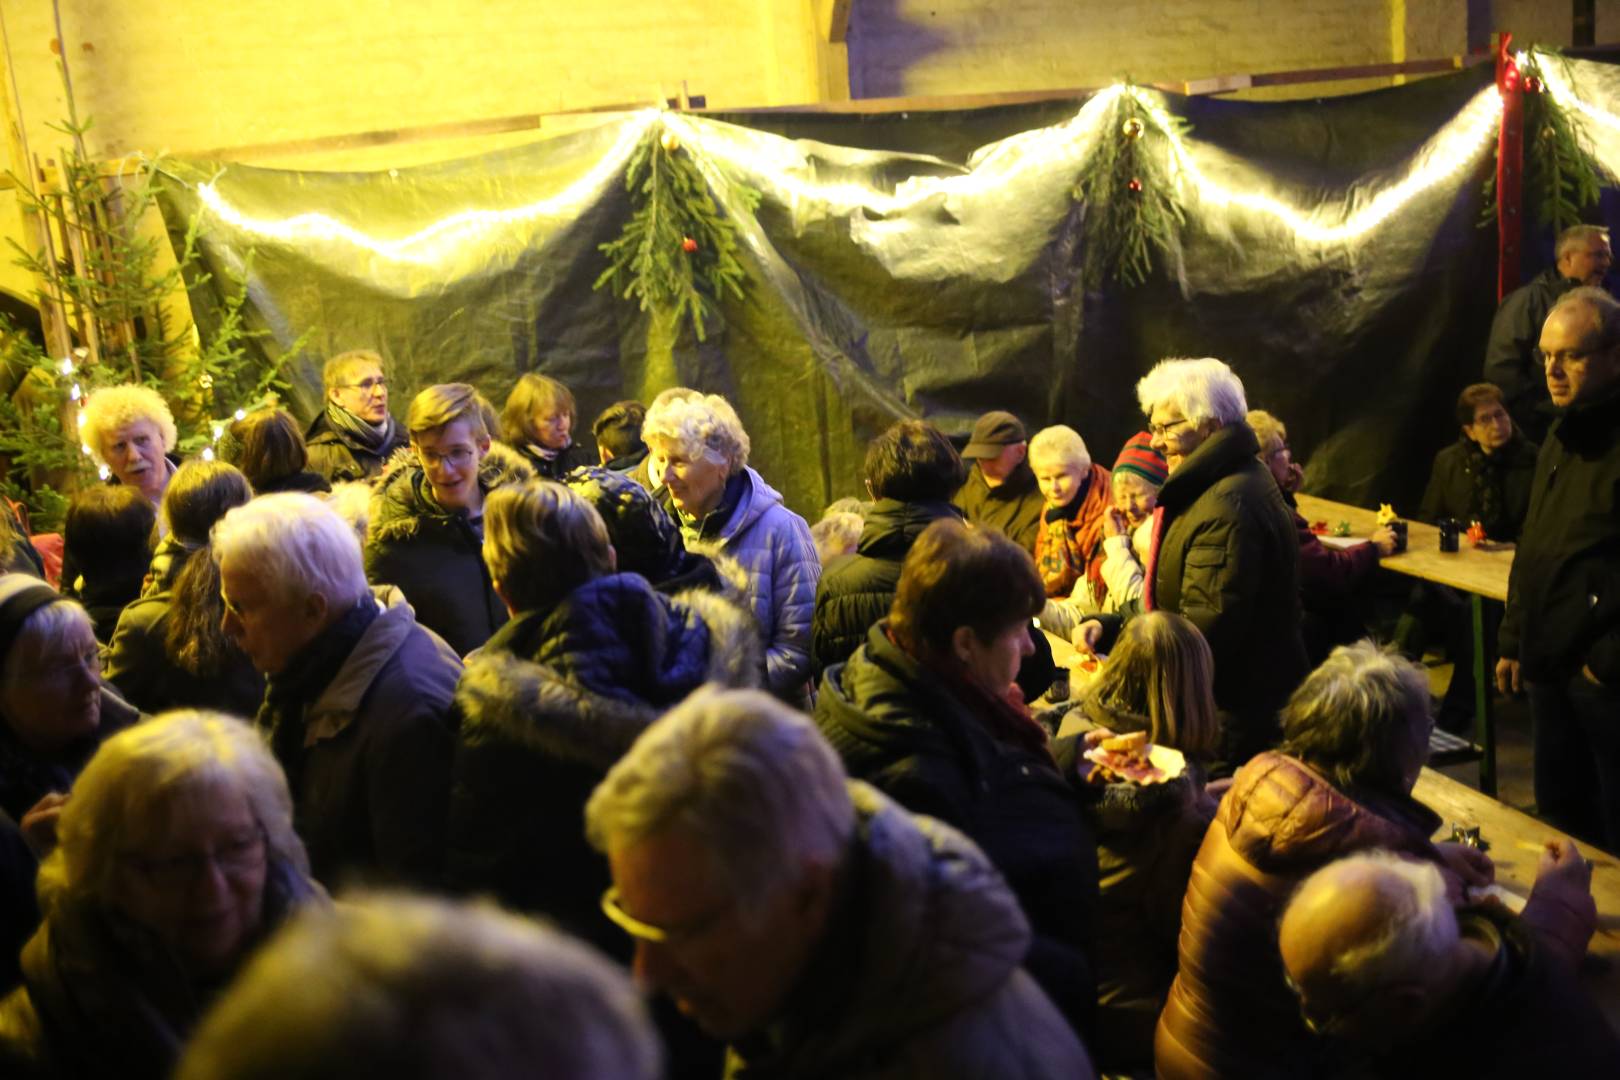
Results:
x,y
678,252
1133,207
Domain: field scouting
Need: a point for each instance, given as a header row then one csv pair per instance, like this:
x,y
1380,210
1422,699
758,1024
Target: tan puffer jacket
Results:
x,y
1230,1014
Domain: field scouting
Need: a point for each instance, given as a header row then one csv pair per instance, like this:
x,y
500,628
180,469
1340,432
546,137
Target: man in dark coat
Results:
x,y
1001,491
1560,638
427,516
912,470
353,436
1512,361
617,431
1224,551
589,659
357,706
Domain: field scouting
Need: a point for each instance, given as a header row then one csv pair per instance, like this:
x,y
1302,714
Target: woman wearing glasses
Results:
x,y
175,857
353,438
427,519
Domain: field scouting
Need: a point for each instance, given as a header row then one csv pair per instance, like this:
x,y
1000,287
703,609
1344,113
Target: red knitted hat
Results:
x,y
1140,459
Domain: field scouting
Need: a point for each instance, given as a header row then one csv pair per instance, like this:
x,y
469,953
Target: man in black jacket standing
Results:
x,y
1581,257
1224,550
1560,639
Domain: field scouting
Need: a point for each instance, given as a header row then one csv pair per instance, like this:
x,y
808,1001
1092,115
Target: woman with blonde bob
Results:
x,y
175,857
538,422
1158,680
722,505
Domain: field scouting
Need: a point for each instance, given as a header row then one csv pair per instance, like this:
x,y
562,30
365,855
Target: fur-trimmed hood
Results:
x,y
582,681
402,504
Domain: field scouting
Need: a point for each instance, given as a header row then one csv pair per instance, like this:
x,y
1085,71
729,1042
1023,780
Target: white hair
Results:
x,y
703,426
1062,443
1203,389
352,501
135,773
46,633
114,407
403,986
297,543
1418,926
748,776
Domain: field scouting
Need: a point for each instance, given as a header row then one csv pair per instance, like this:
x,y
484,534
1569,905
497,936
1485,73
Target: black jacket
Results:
x,y
1513,354
1012,509
1228,559
436,557
340,459
312,482
560,466
856,590
369,767
898,728
1453,490
1563,607
548,705
137,662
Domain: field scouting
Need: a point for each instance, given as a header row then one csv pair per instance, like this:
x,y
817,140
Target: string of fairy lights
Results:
x,y
782,162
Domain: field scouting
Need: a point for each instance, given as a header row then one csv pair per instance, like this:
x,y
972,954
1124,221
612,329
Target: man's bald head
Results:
x,y
1363,940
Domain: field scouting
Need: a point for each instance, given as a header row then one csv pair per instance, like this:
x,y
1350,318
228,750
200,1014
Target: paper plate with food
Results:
x,y
1130,757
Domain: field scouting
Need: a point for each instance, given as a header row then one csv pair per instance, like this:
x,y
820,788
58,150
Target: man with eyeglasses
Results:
x,y
814,925
354,436
1582,257
1560,637
1395,982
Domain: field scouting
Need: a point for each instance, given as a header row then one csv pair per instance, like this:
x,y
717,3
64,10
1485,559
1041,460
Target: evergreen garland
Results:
x,y
1561,179
1133,209
678,251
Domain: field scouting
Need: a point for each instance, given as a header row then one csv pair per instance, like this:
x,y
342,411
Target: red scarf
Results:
x,y
1156,537
1066,549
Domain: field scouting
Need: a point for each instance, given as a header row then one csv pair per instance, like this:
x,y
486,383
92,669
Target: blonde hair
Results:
x,y
446,403
1267,430
703,426
412,986
542,541
1162,670
1062,443
836,534
138,771
533,394
352,501
114,407
338,367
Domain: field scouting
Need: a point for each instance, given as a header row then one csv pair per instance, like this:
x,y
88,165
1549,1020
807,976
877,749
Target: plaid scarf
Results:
x,y
1070,541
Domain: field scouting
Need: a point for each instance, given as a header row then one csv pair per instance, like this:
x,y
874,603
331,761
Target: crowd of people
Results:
x,y
429,747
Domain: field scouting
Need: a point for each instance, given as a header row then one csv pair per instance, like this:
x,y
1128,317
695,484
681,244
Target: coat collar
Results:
x,y
1222,454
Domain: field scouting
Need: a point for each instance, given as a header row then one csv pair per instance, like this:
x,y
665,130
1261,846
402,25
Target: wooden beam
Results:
x,y
832,19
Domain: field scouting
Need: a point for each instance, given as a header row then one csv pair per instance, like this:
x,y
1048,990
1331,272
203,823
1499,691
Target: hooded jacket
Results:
x,y
548,706
340,459
434,556
898,728
373,781
1227,558
918,974
774,548
1230,1014
857,590
1563,606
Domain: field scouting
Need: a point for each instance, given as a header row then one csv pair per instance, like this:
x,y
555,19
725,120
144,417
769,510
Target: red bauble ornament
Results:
x,y
689,245
1532,85
1135,186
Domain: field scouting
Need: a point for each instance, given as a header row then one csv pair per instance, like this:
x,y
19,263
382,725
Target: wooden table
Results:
x,y
1481,573
1515,847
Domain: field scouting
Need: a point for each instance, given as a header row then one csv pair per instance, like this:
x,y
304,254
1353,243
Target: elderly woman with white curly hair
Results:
x,y
131,430
175,857
724,506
